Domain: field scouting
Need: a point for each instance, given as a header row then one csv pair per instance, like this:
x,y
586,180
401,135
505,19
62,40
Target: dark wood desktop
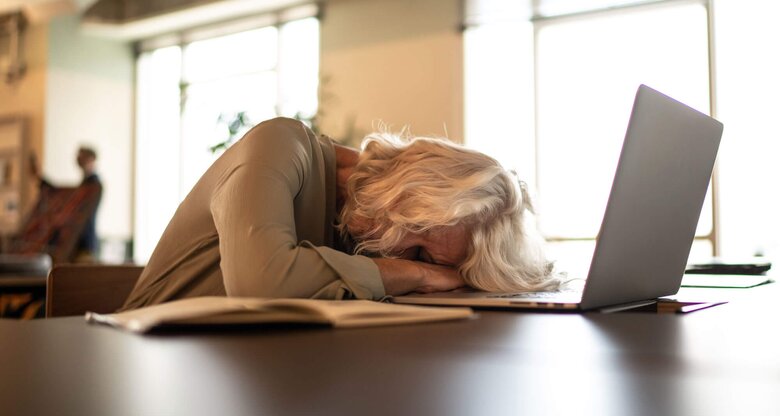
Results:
x,y
723,360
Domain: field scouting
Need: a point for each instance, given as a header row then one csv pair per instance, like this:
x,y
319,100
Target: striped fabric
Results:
x,y
57,220
53,226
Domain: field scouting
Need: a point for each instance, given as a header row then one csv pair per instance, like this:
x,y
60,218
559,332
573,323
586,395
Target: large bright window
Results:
x,y
747,67
190,92
586,67
587,71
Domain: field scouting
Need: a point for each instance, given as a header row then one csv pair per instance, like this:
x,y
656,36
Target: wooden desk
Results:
x,y
721,361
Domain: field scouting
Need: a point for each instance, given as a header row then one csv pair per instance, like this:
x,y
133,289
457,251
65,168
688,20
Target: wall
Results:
x,y
400,62
89,99
26,96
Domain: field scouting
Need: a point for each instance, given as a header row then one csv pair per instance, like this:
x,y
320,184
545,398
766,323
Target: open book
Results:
x,y
218,310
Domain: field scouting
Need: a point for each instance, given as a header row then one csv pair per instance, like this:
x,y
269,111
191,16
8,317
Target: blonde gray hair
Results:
x,y
406,185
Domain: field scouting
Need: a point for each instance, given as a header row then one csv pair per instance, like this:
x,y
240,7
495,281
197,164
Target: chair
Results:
x,y
73,289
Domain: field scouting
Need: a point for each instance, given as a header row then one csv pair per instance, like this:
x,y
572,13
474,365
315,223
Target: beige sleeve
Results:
x,y
260,254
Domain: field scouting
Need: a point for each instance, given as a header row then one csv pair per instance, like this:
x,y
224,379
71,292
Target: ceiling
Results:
x,y
139,19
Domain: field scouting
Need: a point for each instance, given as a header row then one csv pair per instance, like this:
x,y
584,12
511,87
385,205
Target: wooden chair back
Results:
x,y
74,289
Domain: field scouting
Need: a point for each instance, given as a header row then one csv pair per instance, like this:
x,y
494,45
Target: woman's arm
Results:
x,y
404,276
261,257
253,209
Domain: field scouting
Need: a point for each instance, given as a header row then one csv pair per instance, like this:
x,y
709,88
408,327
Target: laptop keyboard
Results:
x,y
531,295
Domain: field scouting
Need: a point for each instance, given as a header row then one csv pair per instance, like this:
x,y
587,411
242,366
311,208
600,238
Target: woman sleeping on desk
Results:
x,y
284,213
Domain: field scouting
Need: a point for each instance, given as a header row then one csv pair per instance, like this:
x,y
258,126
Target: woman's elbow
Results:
x,y
270,281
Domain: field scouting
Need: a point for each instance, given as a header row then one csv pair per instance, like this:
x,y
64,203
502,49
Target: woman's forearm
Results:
x,y
404,276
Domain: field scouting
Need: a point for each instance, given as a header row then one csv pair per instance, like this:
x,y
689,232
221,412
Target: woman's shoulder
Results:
x,y
281,133
282,143
281,127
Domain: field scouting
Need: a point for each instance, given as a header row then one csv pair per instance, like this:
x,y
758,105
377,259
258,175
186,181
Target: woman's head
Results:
x,y
432,200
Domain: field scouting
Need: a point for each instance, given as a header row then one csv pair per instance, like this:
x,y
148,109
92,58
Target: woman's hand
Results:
x,y
439,278
405,276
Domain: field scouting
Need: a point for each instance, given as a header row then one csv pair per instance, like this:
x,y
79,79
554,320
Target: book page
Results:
x,y
232,310
354,313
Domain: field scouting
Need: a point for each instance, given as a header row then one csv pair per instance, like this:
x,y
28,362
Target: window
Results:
x,y
190,91
748,86
587,71
562,123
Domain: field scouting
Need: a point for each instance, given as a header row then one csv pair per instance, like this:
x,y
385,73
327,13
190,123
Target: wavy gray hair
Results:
x,y
412,185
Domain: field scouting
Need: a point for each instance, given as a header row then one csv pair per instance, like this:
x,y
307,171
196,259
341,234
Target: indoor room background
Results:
x,y
544,86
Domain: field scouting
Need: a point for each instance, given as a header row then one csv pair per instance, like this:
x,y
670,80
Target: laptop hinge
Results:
x,y
626,306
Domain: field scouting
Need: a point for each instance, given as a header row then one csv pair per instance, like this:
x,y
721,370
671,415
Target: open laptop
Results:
x,y
650,220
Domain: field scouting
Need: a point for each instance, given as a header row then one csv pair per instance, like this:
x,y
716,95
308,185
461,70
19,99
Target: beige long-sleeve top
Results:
x,y
260,222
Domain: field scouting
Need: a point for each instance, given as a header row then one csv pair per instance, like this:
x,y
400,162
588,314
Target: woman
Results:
x,y
422,216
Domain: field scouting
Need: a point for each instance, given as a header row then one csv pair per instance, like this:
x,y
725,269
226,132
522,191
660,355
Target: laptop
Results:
x,y
649,224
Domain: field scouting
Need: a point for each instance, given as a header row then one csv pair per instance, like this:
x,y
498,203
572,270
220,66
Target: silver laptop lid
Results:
x,y
656,199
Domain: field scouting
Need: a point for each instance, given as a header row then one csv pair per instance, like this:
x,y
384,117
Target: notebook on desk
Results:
x,y
649,224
